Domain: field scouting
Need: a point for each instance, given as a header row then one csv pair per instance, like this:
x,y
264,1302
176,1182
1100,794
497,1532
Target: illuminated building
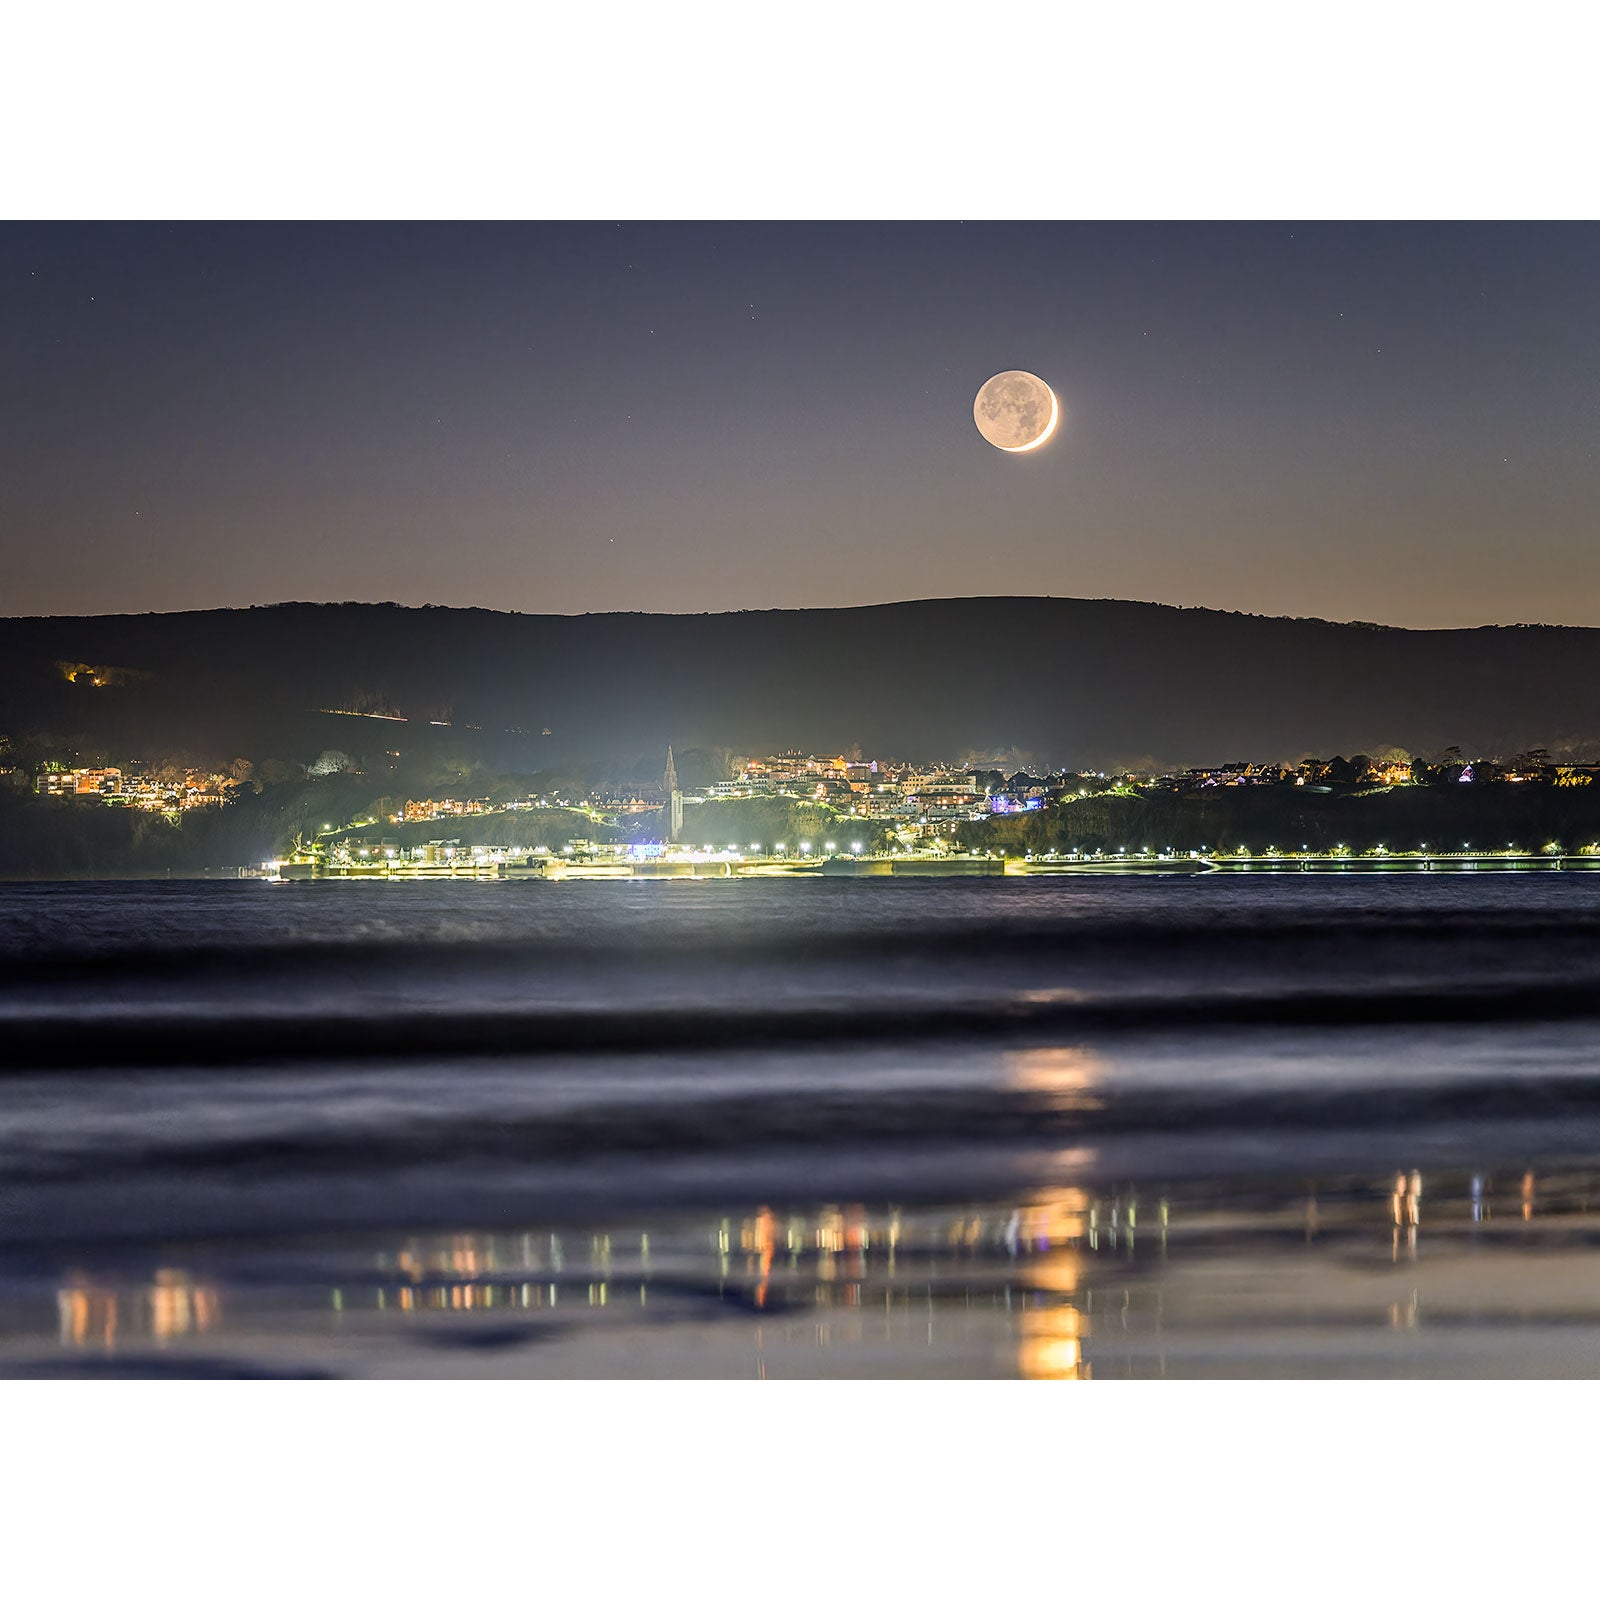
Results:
x,y
82,780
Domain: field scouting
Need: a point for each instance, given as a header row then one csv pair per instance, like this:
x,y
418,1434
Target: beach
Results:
x,y
1117,1128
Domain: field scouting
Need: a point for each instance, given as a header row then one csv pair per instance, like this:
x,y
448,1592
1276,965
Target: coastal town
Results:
x,y
904,792
846,813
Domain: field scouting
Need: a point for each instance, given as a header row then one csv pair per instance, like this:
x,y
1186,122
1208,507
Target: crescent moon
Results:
x,y
1010,412
1055,417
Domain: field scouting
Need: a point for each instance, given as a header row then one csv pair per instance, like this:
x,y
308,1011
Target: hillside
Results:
x,y
1093,683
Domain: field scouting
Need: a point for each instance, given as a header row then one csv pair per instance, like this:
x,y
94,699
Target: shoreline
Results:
x,y
987,868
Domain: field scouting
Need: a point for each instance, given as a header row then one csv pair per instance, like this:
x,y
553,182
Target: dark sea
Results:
x,y
1217,1125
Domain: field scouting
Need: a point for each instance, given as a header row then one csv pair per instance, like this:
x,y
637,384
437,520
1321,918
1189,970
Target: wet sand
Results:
x,y
1404,1275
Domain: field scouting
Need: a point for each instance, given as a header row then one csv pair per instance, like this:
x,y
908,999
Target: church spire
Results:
x,y
669,782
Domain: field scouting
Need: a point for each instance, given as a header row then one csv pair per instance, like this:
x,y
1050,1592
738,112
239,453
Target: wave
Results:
x,y
362,950
788,1121
207,1038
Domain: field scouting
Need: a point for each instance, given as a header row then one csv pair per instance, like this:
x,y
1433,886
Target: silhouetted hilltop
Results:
x,y
1081,682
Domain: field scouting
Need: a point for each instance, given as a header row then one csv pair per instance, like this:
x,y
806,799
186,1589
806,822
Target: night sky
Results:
x,y
1393,423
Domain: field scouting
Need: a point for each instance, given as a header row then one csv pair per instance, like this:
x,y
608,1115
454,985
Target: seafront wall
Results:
x,y
558,870
969,866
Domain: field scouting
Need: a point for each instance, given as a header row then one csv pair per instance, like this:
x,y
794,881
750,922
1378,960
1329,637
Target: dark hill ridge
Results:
x,y
1082,682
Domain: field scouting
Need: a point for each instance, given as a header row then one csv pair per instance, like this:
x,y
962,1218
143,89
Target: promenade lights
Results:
x,y
830,847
